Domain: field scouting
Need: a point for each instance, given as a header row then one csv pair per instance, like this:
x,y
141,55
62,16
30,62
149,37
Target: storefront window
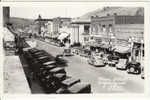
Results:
x,y
86,29
104,28
110,27
86,38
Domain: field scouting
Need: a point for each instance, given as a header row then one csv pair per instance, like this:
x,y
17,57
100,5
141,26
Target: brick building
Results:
x,y
121,26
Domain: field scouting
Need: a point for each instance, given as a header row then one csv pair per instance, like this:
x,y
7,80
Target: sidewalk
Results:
x,y
14,76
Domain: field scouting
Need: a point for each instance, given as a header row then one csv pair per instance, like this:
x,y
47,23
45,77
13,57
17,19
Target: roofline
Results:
x,y
43,20
82,22
62,18
118,16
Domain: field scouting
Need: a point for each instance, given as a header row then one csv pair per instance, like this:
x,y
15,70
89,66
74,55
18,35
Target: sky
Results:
x,y
64,9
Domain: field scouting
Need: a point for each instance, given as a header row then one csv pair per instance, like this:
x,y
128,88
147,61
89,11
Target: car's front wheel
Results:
x,y
131,69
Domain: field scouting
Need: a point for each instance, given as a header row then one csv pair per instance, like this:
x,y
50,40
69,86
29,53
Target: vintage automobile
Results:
x,y
76,88
123,60
122,65
112,60
57,70
69,82
39,53
85,52
43,71
49,84
60,61
60,76
96,59
76,50
33,50
134,67
67,52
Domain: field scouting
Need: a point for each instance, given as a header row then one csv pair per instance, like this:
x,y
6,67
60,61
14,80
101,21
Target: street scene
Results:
x,y
96,49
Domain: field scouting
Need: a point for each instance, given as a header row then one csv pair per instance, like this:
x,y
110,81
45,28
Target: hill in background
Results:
x,y
111,10
20,22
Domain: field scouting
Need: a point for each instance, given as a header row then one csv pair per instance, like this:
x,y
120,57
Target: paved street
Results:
x,y
102,79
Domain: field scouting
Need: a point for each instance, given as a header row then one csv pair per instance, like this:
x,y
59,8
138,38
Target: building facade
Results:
x,y
44,25
122,27
60,23
80,32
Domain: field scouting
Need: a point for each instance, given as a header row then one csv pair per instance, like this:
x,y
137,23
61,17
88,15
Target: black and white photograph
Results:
x,y
73,48
73,0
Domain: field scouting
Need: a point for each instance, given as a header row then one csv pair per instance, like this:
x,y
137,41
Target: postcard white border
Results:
x,y
84,96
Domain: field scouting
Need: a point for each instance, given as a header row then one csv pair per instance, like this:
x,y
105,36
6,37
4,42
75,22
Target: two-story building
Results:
x,y
44,25
59,23
80,31
117,26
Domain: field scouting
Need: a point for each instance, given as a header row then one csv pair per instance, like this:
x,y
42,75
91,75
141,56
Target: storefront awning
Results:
x,y
63,36
121,49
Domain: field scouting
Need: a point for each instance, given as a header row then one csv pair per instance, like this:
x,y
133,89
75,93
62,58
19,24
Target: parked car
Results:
x,y
57,70
76,88
69,82
60,61
112,60
134,67
67,52
85,52
122,63
96,59
76,50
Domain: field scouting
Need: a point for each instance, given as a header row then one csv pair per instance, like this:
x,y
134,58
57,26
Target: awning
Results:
x,y
121,49
63,36
94,44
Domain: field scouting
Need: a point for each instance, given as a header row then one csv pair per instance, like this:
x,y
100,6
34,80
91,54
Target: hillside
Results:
x,y
20,22
111,10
